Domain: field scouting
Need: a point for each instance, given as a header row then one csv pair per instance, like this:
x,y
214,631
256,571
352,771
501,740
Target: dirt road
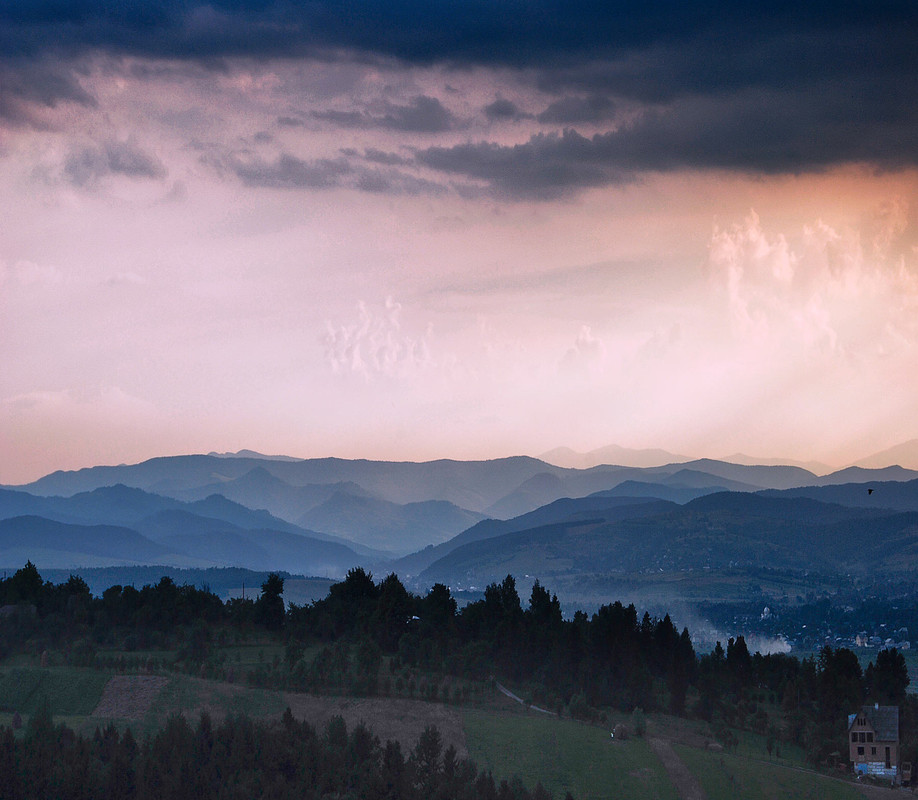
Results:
x,y
686,784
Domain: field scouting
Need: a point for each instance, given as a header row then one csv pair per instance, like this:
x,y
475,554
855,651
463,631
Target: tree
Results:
x,y
426,759
888,679
269,609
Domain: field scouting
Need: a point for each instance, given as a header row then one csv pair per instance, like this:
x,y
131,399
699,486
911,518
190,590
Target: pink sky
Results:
x,y
317,256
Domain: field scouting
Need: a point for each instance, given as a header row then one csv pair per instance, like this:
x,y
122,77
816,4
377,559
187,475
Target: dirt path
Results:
x,y
504,690
129,696
686,785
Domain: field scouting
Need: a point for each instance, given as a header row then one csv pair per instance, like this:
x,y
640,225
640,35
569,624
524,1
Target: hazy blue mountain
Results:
x,y
58,544
611,454
258,488
15,503
265,550
696,479
253,454
508,486
896,495
817,467
904,454
536,491
861,475
760,476
172,522
181,539
468,484
717,531
124,505
660,491
396,528
575,510
157,516
112,505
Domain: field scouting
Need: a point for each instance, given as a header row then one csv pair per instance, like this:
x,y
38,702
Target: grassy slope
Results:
x,y
729,777
69,690
565,756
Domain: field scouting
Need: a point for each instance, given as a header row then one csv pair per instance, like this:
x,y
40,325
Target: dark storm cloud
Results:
x,y
26,86
811,74
423,114
379,181
752,133
88,165
545,167
290,172
529,33
383,157
504,110
574,110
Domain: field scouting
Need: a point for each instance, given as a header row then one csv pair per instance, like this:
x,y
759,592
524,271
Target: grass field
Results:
x,y
729,777
192,695
566,756
70,691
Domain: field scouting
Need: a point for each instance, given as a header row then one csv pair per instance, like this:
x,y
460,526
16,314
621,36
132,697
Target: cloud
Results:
x,y
382,157
586,354
781,88
502,110
289,172
30,89
574,110
290,122
422,114
376,344
836,292
395,182
87,165
545,167
750,133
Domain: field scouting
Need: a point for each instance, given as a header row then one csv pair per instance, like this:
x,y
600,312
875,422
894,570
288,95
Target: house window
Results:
x,y
863,737
869,736
854,737
873,751
860,751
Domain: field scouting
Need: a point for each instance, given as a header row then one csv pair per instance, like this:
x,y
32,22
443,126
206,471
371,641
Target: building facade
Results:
x,y
873,741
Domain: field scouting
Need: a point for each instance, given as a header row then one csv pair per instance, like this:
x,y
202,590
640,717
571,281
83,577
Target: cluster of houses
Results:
x,y
899,640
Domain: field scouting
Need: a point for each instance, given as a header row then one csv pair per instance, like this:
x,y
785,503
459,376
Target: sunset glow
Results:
x,y
459,233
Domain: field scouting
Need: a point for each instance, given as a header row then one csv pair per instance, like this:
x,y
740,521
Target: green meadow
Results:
x,y
566,756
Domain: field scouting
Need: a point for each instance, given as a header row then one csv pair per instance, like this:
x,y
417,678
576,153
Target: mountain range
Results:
x,y
464,523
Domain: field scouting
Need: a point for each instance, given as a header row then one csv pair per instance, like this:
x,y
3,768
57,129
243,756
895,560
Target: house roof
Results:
x,y
884,720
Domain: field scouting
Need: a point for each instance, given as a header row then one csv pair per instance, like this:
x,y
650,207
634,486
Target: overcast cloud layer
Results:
x,y
417,229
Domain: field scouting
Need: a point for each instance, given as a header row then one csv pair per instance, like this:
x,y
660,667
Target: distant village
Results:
x,y
873,625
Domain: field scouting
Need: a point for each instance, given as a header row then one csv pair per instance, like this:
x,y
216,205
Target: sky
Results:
x,y
414,230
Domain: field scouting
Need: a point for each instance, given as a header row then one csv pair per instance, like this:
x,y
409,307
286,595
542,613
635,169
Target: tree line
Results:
x,y
239,759
377,637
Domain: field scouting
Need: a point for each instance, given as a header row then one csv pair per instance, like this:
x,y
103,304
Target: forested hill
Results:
x,y
369,638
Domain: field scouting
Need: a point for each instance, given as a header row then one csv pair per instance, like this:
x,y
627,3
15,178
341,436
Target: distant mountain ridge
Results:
x,y
323,516
611,454
904,454
714,532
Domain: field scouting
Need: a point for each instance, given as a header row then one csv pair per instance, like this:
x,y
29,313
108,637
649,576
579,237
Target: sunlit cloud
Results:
x,y
376,344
